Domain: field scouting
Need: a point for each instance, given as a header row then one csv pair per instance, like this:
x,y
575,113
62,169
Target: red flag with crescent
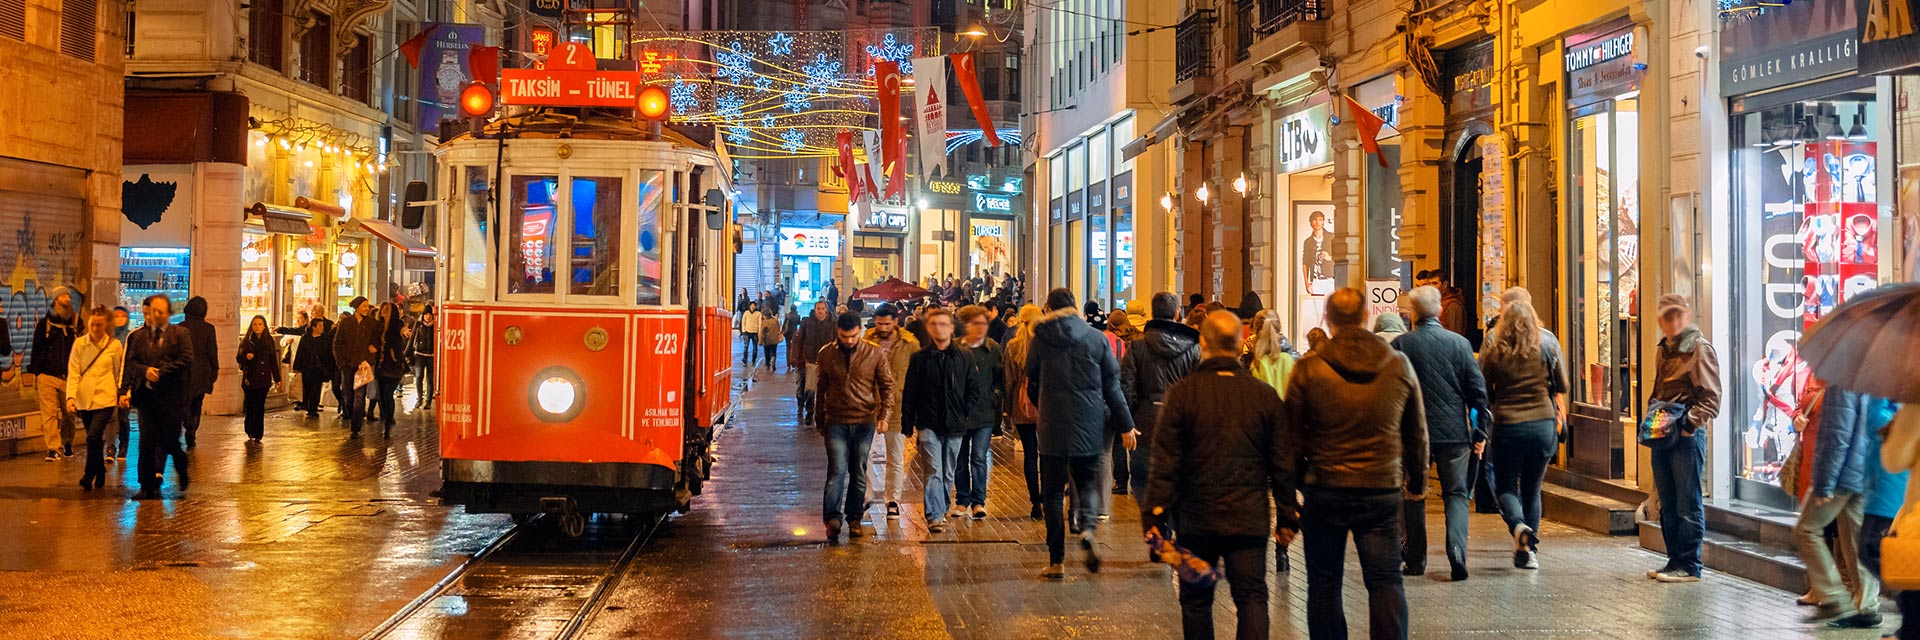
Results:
x,y
893,137
845,168
970,84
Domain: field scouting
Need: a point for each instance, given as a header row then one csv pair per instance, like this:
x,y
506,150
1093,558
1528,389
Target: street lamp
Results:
x,y
1201,193
973,32
1240,184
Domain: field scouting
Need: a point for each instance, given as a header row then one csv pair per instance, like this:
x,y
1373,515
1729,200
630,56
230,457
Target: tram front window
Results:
x,y
652,195
595,256
530,262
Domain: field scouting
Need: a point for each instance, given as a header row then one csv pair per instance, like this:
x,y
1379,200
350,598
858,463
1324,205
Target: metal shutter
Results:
x,y
13,19
78,22
42,216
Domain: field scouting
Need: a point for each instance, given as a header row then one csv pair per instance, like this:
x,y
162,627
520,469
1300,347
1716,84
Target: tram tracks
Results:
x,y
528,582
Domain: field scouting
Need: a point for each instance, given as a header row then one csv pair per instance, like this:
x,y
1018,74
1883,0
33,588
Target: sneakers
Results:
x,y
1654,574
1861,620
1522,552
1675,575
833,531
107,459
1054,571
937,525
979,512
957,512
1532,561
1827,612
1093,552
53,456
893,510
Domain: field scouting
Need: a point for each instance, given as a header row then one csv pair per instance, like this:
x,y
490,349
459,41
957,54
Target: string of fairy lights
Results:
x,y
296,135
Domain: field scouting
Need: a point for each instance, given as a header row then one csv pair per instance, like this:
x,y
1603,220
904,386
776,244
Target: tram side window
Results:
x,y
530,261
595,251
653,194
476,239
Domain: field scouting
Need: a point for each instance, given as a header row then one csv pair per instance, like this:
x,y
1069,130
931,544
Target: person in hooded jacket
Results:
x,y
1075,381
313,358
52,345
1451,386
1357,437
206,363
1389,326
939,390
259,362
390,366
1165,352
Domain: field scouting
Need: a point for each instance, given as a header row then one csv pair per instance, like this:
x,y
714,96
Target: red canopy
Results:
x,y
891,290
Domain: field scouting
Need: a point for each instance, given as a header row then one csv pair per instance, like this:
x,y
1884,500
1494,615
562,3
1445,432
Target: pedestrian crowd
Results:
x,y
1232,442
96,373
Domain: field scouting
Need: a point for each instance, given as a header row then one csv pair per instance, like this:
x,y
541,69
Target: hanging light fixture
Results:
x,y
1859,129
1808,131
1201,193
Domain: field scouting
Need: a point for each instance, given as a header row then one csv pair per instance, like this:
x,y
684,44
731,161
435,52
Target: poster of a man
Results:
x,y
1316,251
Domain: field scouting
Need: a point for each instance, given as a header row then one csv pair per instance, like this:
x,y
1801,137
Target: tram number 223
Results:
x,y
666,344
456,339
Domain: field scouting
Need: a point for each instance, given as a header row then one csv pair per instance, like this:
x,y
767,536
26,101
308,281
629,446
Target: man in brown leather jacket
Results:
x,y
855,384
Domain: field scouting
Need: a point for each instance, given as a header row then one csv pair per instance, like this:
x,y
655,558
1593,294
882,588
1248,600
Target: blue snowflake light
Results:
x,y
781,43
823,72
728,106
737,135
892,50
792,140
735,62
798,101
684,97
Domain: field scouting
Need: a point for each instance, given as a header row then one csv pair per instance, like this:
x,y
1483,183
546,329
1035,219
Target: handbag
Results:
x,y
1663,421
1900,552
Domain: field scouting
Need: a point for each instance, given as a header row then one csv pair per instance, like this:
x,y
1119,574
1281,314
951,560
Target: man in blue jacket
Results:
x,y
1451,385
1075,381
1835,489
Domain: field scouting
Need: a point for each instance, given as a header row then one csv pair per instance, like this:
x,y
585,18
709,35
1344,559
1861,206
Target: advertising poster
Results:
x,y
1313,223
443,71
1493,223
992,254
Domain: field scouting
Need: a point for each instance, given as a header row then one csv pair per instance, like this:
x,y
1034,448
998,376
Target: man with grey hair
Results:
x,y
1358,436
1450,387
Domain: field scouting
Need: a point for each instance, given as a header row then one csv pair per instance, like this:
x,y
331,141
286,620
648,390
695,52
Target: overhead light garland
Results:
x,y
293,134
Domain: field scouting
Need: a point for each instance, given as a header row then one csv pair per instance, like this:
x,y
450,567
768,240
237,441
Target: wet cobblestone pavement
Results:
x,y
313,535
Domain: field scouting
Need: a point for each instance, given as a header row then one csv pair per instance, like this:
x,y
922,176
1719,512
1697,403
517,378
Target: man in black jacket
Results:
x,y
159,370
52,343
983,414
206,363
939,388
1450,386
815,332
1218,459
1074,379
357,340
1163,354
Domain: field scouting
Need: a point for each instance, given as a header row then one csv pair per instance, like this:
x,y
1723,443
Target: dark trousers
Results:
x,y
1245,559
1521,452
192,419
355,404
125,416
423,380
1683,515
1372,517
1056,473
1122,465
1453,465
748,354
310,391
772,353
1030,460
1137,463
341,386
254,405
1484,499
97,422
388,386
160,427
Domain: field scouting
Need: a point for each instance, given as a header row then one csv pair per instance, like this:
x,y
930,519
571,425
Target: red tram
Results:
x,y
584,352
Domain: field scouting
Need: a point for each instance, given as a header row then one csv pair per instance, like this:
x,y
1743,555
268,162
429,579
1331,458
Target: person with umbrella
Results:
x,y
1687,373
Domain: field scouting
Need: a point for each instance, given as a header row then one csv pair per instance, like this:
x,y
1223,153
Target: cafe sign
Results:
x,y
884,217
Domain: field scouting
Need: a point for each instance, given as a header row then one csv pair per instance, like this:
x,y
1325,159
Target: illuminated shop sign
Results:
x,y
1602,65
1302,139
1583,56
809,242
948,187
885,217
992,203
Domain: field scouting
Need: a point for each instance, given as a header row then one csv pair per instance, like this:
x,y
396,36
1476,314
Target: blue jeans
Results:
x,y
1451,463
1373,518
1683,515
846,493
976,459
942,453
1521,452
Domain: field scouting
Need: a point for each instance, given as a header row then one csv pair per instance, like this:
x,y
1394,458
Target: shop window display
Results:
x,y
1806,222
145,271
256,276
1604,220
348,272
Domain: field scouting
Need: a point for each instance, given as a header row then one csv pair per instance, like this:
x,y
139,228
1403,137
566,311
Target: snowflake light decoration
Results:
x,y
763,83
798,101
729,106
823,72
890,49
792,140
738,135
781,43
735,63
684,96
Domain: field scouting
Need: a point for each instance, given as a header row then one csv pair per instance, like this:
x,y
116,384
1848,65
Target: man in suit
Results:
x,y
159,372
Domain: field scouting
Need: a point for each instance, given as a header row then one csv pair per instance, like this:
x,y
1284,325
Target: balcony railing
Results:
x,y
1193,46
1275,14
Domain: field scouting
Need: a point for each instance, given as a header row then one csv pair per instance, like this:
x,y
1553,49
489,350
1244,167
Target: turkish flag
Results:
x,y
893,137
845,168
411,48
1368,123
970,85
484,62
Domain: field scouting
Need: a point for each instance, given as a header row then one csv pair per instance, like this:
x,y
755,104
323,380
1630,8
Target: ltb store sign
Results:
x,y
1302,139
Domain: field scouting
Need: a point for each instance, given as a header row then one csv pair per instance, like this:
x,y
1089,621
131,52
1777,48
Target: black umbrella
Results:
x,y
1869,344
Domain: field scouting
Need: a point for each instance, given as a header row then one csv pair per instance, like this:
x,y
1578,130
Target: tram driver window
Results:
x,y
595,255
530,259
653,194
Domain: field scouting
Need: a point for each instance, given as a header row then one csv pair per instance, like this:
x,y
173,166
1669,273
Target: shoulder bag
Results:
x,y
1663,421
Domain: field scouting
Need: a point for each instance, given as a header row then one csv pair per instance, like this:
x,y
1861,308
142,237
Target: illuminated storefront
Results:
x,y
808,258
1091,183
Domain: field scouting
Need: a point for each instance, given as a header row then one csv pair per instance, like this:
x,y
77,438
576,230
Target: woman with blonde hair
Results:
x,y
1020,411
1526,390
1271,360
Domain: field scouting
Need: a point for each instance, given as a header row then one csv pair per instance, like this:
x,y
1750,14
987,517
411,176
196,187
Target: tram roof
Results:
x,y
550,124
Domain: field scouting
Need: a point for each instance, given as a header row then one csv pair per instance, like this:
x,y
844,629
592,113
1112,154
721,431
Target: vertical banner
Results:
x,y
446,70
846,165
930,109
969,77
893,142
1493,223
871,177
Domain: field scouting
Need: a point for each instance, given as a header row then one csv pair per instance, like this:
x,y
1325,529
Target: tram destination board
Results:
x,y
569,87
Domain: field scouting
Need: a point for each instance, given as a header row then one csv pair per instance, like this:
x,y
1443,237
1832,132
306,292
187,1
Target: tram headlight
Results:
x,y
556,394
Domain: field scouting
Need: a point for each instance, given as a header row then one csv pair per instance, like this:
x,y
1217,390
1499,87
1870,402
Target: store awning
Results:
x,y
418,256
1160,131
287,220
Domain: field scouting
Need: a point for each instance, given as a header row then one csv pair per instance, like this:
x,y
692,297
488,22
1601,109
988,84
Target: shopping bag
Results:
x,y
1900,552
1663,421
363,376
